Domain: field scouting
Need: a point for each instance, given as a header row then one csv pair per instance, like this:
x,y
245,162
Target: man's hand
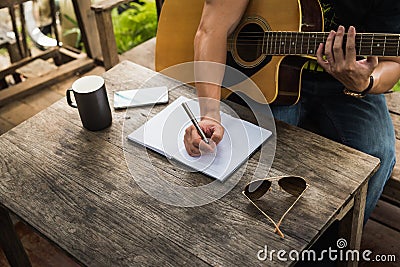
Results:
x,y
343,65
194,145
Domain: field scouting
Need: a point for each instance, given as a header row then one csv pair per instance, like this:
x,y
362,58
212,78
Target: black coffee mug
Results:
x,y
92,102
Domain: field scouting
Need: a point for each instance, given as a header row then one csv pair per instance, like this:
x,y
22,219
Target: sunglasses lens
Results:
x,y
257,189
293,185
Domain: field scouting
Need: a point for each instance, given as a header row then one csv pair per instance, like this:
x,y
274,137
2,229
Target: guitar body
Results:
x,y
278,77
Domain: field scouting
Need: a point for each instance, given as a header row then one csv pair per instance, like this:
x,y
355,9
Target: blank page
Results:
x,y
165,131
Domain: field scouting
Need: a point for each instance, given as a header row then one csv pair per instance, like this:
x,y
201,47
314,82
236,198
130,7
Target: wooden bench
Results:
x,y
392,189
9,43
67,61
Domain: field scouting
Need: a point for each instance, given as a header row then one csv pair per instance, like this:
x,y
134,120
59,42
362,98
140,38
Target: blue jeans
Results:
x,y
363,124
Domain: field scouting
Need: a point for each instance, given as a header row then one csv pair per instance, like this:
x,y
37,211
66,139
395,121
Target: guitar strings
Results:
x,y
368,43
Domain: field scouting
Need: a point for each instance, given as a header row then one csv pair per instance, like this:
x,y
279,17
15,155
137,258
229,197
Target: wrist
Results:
x,y
212,116
362,93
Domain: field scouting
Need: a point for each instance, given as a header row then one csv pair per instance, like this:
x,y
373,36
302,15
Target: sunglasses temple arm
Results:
x,y
269,218
286,212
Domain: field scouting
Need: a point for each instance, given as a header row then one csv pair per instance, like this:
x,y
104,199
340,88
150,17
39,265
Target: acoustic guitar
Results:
x,y
271,45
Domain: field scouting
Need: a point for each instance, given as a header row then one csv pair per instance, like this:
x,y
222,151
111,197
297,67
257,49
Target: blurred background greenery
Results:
x,y
397,87
133,23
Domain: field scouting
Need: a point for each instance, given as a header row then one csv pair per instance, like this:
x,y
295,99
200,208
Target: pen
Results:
x,y
195,123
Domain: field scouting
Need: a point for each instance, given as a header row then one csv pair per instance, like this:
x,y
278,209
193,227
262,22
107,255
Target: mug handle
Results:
x,y
69,101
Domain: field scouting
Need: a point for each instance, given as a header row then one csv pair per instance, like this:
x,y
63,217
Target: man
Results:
x,y
327,102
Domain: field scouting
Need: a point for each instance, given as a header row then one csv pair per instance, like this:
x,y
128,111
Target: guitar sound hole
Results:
x,y
249,42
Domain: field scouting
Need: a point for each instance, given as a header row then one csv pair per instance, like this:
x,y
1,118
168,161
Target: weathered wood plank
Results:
x,y
5,125
387,214
391,192
381,240
113,234
87,25
392,188
107,39
9,241
8,3
396,124
43,55
55,76
352,226
393,100
17,112
142,54
107,5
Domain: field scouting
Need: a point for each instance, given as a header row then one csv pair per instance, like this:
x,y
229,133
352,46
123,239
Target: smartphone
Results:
x,y
140,97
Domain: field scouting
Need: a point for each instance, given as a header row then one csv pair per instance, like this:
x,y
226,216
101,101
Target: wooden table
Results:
x,y
391,192
74,187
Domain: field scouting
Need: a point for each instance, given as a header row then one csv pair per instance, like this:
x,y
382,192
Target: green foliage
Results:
x,y
135,25
397,87
74,30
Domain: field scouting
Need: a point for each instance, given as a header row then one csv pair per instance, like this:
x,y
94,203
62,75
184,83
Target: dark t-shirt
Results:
x,y
366,15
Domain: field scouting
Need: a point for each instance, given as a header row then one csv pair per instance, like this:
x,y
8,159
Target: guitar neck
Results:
x,y
306,43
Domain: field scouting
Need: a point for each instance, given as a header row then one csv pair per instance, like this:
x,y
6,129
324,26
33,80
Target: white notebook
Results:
x,y
165,131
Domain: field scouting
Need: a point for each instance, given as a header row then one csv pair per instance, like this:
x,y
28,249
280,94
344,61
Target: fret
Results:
x,y
283,43
315,43
378,46
320,38
384,46
301,46
324,39
273,43
295,44
278,43
392,44
308,42
284,47
359,49
262,47
366,47
270,43
372,44
398,45
290,43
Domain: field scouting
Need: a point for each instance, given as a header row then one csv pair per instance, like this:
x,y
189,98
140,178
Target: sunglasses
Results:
x,y
294,185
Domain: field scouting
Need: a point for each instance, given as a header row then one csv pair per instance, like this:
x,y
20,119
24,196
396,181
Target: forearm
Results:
x,y
219,19
210,57
386,75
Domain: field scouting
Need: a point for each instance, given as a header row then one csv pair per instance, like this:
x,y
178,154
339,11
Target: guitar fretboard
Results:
x,y
306,43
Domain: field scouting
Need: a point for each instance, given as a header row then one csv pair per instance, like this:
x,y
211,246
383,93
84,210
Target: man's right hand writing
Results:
x,y
195,146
